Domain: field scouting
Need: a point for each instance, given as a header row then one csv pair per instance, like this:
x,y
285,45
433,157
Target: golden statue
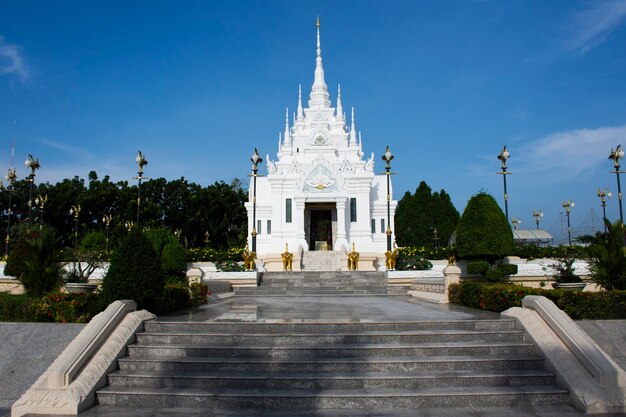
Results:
x,y
452,260
248,259
353,259
391,258
287,258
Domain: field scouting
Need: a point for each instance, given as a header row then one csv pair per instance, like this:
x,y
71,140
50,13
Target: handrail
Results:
x,y
88,343
580,344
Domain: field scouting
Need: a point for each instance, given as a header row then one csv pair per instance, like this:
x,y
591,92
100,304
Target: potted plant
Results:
x,y
84,263
564,276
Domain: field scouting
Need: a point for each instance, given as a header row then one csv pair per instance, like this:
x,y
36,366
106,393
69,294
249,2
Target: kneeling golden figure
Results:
x,y
391,258
248,259
287,259
353,259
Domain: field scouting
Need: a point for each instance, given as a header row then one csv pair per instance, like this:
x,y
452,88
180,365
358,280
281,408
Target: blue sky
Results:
x,y
197,85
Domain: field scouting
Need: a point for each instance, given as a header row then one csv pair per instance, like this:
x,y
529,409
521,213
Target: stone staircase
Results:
x,y
323,261
301,284
307,366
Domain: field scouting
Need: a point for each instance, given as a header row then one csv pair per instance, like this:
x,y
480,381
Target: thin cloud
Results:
x,y
571,154
590,27
71,150
11,61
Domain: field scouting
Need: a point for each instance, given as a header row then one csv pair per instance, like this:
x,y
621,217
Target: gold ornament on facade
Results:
x,y
248,259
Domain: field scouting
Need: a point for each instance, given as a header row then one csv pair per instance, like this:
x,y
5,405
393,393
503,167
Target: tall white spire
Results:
x,y
300,110
286,136
319,91
340,117
353,130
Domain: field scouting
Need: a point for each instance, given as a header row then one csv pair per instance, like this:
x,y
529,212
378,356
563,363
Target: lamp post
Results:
x,y
568,205
516,222
11,176
387,157
503,156
206,239
75,211
436,238
603,195
106,219
128,224
33,164
40,201
615,156
256,160
141,161
537,215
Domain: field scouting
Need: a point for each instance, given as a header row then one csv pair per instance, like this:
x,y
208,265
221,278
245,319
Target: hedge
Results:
x,y
20,307
578,305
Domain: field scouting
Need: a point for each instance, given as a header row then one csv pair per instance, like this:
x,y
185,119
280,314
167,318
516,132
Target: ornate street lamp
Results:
x,y
503,156
40,201
141,161
75,212
33,164
615,156
11,176
128,224
387,157
604,194
568,205
206,238
537,215
256,160
436,238
106,219
516,222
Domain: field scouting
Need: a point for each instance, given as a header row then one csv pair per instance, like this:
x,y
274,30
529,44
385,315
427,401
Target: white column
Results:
x,y
341,225
299,219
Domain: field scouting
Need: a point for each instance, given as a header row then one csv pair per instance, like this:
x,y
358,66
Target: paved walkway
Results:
x,y
327,309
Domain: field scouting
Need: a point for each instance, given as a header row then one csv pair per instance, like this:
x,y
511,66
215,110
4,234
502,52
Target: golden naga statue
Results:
x,y
452,260
353,259
287,259
391,258
248,259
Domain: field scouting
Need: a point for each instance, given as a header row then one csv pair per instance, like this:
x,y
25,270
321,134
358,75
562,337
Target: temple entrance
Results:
x,y
321,225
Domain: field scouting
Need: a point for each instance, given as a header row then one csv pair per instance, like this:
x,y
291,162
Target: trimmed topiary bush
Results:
x,y
18,307
198,293
174,259
478,268
483,231
135,272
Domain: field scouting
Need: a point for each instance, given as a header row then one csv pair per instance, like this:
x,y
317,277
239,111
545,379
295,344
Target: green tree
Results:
x,y
608,259
135,272
42,272
483,231
419,214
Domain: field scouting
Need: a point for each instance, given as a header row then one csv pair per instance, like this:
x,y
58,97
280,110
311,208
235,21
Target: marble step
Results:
x,y
353,399
324,381
313,339
334,351
330,365
317,327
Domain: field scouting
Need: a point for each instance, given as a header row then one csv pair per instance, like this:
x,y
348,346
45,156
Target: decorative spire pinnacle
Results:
x,y
286,136
340,116
319,91
300,110
353,130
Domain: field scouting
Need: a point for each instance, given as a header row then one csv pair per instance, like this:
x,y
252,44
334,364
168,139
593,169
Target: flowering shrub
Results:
x,y
425,252
577,304
68,308
214,255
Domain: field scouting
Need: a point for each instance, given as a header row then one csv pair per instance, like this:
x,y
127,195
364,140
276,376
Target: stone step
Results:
x,y
335,351
322,381
369,364
312,328
356,399
303,339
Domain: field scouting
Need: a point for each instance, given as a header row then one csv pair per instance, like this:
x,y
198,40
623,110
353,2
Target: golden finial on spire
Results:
x,y
317,23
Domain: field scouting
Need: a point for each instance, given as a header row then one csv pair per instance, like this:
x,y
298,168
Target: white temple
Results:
x,y
320,194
